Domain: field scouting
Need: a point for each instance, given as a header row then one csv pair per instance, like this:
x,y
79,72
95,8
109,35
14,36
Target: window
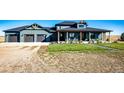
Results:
x,y
58,28
93,35
71,34
81,26
62,27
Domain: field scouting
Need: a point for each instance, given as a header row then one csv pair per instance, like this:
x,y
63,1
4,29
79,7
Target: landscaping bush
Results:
x,y
115,41
98,41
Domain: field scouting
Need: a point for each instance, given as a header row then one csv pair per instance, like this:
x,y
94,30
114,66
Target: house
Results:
x,y
67,31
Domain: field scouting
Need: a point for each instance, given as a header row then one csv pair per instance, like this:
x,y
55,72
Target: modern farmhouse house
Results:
x,y
67,31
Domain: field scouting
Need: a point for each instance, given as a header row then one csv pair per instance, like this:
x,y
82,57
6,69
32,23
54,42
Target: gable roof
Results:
x,y
51,29
18,29
87,29
66,23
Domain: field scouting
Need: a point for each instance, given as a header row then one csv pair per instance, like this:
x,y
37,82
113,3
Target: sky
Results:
x,y
117,26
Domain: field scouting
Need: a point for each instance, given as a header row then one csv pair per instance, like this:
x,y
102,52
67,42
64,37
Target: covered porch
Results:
x,y
81,36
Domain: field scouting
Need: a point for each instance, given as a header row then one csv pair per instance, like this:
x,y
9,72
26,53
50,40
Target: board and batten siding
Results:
x,y
35,33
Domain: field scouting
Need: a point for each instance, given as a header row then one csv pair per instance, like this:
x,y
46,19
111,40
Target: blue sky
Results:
x,y
116,25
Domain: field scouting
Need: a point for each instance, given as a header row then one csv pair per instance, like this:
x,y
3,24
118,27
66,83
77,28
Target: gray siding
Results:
x,y
35,32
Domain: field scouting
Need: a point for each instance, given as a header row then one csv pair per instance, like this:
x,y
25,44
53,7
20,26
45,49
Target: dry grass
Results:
x,y
114,37
1,39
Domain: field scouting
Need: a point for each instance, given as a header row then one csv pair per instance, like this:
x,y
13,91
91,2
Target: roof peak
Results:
x,y
69,21
66,23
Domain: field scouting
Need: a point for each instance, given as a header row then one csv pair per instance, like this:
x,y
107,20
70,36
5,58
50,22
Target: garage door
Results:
x,y
29,38
13,38
41,38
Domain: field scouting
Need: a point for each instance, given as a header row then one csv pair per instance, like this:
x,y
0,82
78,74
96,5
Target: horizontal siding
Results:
x,y
35,32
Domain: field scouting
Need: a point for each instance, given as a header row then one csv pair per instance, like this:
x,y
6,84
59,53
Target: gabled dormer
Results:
x,y
82,24
34,26
65,24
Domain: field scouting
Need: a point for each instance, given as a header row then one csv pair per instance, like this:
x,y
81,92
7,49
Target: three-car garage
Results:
x,y
27,38
29,33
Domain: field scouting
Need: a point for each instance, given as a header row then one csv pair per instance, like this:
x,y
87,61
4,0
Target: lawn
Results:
x,y
119,46
74,47
84,47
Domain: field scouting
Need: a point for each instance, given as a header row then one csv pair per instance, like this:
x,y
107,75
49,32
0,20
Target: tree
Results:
x,y
122,36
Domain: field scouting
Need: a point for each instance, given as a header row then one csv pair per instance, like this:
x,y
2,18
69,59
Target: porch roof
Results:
x,y
87,29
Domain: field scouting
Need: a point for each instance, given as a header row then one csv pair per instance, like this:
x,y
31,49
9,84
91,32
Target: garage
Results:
x,y
41,37
13,38
29,38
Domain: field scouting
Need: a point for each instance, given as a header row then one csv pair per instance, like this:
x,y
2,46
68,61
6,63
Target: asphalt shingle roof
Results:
x,y
51,29
88,29
66,23
18,29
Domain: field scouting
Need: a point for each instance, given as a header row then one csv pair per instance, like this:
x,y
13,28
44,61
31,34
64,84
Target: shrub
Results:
x,y
98,41
115,42
122,36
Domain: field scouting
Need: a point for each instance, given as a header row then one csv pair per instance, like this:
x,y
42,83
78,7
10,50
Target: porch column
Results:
x,y
58,37
104,36
109,37
89,36
80,37
66,37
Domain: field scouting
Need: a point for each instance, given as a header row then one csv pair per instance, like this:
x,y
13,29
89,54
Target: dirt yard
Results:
x,y
74,62
37,59
17,58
